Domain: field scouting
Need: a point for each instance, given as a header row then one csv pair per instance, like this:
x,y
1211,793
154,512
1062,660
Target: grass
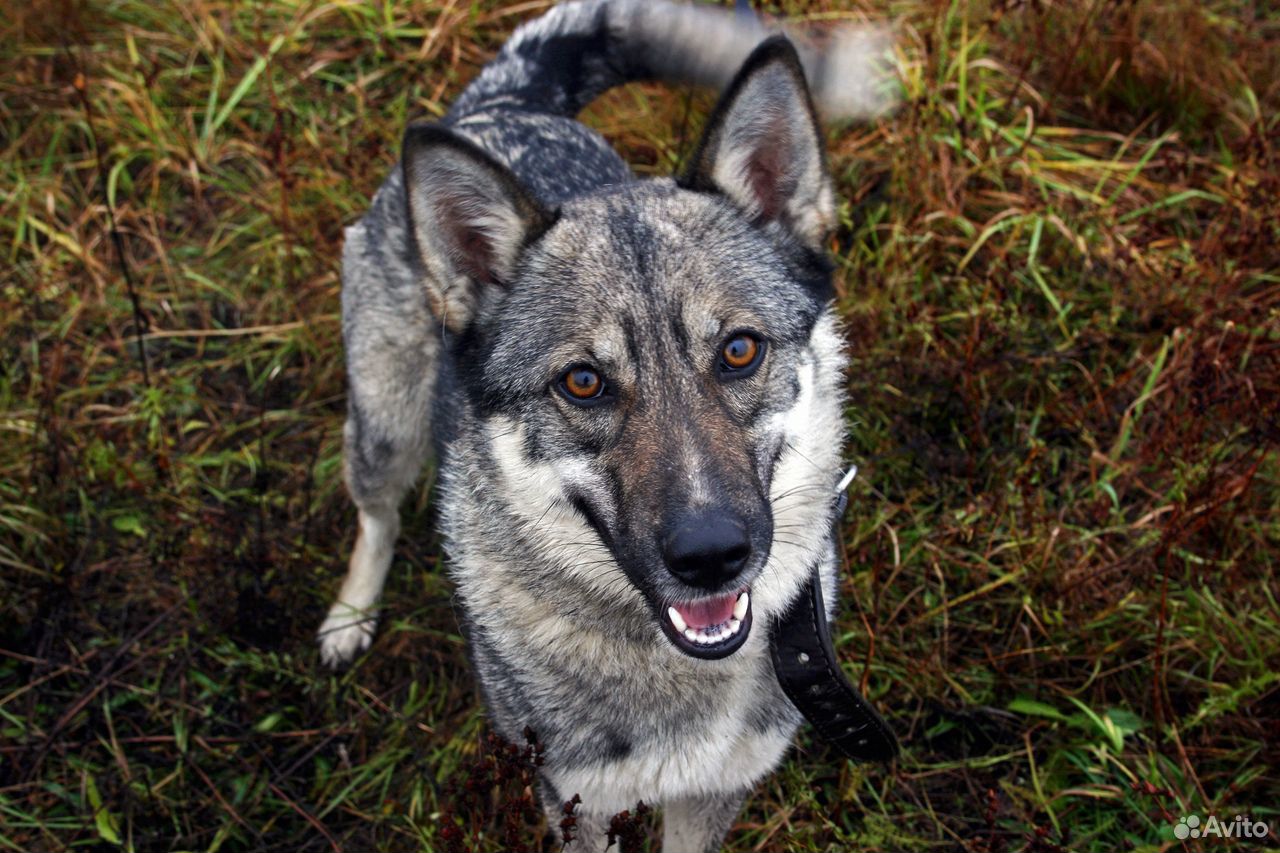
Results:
x,y
1059,271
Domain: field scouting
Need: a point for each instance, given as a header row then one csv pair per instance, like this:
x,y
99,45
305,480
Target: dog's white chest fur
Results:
x,y
725,756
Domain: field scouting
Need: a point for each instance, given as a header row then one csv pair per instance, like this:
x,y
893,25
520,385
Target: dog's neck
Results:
x,y
805,663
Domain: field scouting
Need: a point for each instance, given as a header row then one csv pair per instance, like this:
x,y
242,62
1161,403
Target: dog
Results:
x,y
634,392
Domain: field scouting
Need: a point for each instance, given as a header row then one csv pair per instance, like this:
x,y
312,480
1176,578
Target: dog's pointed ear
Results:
x,y
762,147
470,217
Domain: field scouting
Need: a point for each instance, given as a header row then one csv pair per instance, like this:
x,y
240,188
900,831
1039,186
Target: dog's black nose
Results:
x,y
707,549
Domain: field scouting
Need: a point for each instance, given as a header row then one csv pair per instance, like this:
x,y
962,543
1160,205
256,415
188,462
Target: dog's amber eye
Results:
x,y
582,383
740,353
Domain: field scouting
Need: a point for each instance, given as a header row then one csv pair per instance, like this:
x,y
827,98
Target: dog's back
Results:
x,y
480,266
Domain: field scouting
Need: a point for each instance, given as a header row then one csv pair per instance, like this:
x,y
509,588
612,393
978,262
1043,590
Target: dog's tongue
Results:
x,y
708,611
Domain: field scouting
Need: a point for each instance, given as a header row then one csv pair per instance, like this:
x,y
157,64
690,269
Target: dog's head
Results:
x,y
655,368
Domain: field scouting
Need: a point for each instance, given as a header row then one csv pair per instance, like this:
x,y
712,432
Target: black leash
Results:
x,y
805,663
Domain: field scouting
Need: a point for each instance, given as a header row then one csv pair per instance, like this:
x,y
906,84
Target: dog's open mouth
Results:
x,y
710,628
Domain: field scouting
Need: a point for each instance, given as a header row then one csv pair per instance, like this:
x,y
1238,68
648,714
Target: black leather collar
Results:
x,y
806,666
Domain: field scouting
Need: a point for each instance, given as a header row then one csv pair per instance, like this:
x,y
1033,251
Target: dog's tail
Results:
x,y
560,62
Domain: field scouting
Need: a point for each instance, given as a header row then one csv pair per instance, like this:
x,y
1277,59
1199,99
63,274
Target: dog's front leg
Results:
x,y
699,824
348,628
589,833
385,445
391,364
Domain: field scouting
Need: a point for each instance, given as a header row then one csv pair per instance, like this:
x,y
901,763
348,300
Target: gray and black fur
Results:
x,y
514,245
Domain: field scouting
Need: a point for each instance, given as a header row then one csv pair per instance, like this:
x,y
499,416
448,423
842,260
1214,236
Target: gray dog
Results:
x,y
634,392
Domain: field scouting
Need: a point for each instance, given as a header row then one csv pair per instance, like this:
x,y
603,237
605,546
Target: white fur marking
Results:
x,y
348,629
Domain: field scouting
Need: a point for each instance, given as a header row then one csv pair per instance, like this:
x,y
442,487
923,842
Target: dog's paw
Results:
x,y
346,632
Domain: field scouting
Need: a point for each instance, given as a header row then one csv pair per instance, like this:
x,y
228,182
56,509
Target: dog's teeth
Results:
x,y
711,635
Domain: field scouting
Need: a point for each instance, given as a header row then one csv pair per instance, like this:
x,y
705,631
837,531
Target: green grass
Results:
x,y
1059,272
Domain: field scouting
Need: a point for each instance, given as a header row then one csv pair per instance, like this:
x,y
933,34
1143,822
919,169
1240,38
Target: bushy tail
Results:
x,y
562,61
